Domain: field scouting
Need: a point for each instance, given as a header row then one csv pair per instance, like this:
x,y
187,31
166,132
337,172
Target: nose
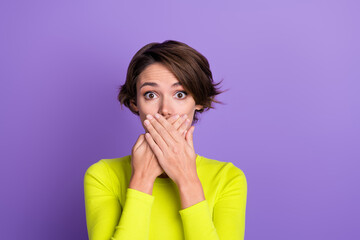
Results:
x,y
165,108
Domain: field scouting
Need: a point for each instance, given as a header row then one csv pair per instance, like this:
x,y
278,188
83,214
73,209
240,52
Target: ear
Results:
x,y
133,106
198,107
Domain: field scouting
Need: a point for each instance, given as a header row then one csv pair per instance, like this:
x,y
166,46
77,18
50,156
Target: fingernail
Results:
x,y
149,116
184,116
146,122
176,116
157,115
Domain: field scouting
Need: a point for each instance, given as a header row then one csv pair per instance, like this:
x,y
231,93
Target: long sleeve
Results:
x,y
197,222
104,216
228,221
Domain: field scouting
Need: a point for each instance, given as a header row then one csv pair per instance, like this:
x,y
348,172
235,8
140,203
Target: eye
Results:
x,y
149,95
181,94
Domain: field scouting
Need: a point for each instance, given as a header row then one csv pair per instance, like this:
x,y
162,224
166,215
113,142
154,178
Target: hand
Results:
x,y
143,160
175,154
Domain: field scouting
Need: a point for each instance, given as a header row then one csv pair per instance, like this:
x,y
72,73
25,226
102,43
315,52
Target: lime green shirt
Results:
x,y
116,212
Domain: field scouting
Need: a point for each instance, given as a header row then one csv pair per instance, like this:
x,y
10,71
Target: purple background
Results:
x,y
290,122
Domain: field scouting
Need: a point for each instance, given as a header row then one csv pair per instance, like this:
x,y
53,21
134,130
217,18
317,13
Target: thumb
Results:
x,y
139,141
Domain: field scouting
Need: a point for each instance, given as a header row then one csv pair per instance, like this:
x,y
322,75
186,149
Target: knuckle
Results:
x,y
151,123
162,132
173,132
175,149
161,119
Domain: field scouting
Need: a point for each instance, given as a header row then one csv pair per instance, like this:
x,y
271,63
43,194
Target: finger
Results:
x,y
184,126
166,130
184,133
154,147
176,121
138,142
173,119
179,122
190,136
155,134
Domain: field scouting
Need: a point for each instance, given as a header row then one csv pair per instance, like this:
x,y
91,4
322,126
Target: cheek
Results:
x,y
144,108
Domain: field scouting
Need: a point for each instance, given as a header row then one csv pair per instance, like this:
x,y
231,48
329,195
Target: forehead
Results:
x,y
157,73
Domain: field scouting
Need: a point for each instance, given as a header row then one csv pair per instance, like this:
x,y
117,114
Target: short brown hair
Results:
x,y
189,66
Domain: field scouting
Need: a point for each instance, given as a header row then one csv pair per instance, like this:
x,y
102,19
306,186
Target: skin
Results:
x,y
164,98
166,110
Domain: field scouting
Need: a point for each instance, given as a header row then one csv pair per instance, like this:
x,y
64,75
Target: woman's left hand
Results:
x,y
175,154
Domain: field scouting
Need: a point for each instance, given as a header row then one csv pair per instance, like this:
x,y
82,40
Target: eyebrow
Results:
x,y
156,85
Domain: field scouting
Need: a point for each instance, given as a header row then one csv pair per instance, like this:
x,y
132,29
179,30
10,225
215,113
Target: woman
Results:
x,y
164,190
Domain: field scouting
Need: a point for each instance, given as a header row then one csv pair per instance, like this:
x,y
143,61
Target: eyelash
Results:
x,y
185,93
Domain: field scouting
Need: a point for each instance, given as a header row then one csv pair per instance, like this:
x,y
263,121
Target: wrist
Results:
x,y
188,183
184,182
191,192
142,183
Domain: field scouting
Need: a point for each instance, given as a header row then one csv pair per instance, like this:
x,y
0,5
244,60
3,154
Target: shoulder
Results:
x,y
113,163
110,168
226,181
110,175
118,163
223,172
219,167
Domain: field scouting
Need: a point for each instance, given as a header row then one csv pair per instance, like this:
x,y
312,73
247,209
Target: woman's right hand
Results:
x,y
143,161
